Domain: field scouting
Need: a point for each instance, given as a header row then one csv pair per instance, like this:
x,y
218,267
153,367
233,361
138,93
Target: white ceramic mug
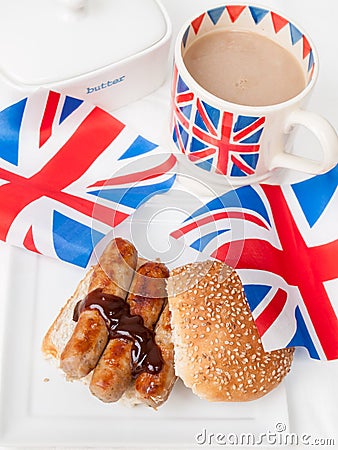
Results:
x,y
259,138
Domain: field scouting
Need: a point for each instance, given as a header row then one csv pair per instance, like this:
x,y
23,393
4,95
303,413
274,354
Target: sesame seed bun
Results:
x,y
218,352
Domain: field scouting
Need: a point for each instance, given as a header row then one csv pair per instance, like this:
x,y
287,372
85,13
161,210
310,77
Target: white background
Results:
x,y
312,388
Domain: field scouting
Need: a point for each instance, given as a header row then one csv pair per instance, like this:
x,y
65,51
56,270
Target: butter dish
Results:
x,y
107,52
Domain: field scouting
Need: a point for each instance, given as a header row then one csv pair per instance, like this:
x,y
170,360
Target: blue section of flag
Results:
x,y
255,293
202,242
69,106
310,61
73,241
302,337
251,160
243,122
184,135
139,147
200,122
237,172
315,194
175,136
185,36
231,200
196,145
296,35
250,199
186,110
213,114
181,86
10,124
206,165
243,197
258,14
215,14
134,197
253,139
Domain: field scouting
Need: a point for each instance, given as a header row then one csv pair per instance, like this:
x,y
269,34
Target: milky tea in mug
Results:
x,y
241,79
244,67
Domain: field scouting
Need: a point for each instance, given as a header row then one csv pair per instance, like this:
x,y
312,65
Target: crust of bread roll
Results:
x,y
63,326
218,352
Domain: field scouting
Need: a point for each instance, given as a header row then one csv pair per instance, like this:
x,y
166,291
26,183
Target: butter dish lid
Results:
x,y
46,41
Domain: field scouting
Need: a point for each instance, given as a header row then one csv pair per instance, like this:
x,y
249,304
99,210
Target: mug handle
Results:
x,y
326,135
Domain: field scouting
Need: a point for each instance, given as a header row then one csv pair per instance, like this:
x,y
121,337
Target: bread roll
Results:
x,y
218,352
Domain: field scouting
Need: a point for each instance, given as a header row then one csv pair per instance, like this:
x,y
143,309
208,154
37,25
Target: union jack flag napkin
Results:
x,y
283,241
69,172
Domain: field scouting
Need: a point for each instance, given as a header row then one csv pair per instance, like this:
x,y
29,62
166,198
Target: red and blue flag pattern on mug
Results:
x,y
283,241
69,172
227,143
219,142
183,104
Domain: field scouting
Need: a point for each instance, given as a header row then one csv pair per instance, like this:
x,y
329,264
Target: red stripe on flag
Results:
x,y
271,312
29,243
223,143
195,156
95,210
214,218
319,265
185,97
139,176
310,276
48,117
70,163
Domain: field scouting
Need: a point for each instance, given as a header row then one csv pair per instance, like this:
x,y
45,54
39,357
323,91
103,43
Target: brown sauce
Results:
x,y
146,355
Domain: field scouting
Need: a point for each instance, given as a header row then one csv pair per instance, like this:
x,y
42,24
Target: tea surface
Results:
x,y
245,68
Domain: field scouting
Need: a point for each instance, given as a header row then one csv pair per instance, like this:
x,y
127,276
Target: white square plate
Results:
x,y
39,408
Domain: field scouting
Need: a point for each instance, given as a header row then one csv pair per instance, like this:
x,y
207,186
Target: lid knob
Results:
x,y
75,6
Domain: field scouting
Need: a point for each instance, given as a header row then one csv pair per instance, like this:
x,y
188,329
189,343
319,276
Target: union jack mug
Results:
x,y
245,143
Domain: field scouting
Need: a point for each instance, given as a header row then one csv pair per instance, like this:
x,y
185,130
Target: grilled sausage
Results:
x,y
148,292
116,268
154,389
113,275
114,371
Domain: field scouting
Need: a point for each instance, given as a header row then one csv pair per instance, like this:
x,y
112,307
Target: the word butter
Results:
x,y
109,83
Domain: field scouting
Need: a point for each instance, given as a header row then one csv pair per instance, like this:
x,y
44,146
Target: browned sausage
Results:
x,y
115,270
113,275
113,373
85,346
154,389
148,292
